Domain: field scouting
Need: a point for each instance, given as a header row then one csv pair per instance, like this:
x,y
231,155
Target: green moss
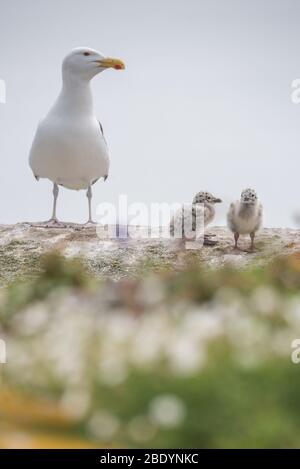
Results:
x,y
17,260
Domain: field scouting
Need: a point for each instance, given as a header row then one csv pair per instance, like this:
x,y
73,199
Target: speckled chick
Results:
x,y
205,202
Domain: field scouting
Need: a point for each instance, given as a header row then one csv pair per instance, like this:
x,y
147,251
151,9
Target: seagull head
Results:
x,y
249,197
206,197
84,63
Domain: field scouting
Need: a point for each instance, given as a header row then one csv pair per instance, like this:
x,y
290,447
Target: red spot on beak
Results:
x,y
118,67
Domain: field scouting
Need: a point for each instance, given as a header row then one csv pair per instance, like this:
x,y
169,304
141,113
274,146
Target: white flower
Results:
x,y
167,410
151,292
292,313
265,300
185,355
112,368
202,324
120,327
76,402
146,347
32,320
103,425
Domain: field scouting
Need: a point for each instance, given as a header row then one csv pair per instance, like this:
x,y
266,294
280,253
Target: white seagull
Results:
x,y
245,216
69,147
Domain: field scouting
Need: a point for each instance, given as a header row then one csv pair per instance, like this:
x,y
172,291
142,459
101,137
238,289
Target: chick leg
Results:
x,y
236,238
252,247
236,248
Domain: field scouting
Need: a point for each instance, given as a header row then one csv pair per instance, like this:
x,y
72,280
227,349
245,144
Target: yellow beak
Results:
x,y
108,62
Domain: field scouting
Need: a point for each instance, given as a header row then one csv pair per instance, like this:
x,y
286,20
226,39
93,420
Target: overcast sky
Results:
x,y
204,102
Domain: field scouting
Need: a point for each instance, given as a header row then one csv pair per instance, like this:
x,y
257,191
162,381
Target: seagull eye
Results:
x,y
86,53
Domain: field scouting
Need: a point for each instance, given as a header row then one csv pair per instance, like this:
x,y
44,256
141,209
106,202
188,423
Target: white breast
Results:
x,y
244,223
70,152
69,147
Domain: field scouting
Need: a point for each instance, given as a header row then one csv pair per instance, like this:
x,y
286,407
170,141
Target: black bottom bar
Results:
x,y
142,458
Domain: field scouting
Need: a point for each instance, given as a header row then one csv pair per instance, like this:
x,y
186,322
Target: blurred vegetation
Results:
x,y
198,357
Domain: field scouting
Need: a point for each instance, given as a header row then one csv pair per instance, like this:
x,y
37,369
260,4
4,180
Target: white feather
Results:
x,y
244,219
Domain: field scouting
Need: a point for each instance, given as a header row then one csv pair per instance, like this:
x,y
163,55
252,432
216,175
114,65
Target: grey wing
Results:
x,y
230,217
172,226
102,131
208,216
176,224
259,217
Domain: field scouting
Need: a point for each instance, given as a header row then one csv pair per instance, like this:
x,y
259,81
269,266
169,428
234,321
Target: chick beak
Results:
x,y
108,62
217,201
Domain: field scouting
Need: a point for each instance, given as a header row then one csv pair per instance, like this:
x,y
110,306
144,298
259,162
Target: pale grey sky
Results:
x,y
204,102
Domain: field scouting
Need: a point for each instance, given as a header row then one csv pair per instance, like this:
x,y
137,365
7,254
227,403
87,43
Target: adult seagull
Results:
x,y
69,147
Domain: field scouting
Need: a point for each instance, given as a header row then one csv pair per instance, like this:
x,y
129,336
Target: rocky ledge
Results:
x,y
22,245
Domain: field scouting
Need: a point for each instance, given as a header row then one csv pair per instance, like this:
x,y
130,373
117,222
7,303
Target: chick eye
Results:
x,y
86,53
